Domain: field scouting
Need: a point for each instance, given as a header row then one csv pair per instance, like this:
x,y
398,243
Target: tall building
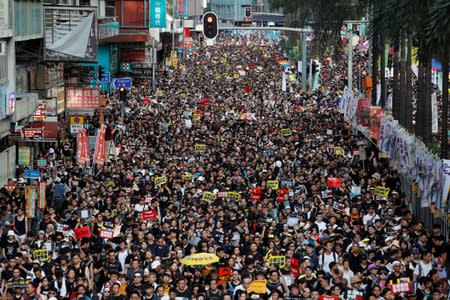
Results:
x,y
7,89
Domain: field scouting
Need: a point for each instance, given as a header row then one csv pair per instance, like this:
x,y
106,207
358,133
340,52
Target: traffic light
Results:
x,y
248,12
210,25
101,70
122,93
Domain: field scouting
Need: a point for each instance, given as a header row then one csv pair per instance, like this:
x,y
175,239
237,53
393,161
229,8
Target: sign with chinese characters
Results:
x,y
11,103
158,14
30,133
82,98
181,8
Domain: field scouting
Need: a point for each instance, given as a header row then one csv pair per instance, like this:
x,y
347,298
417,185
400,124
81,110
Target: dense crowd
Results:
x,y
222,161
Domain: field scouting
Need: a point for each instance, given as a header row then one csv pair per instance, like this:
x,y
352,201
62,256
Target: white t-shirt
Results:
x,y
426,268
371,218
327,259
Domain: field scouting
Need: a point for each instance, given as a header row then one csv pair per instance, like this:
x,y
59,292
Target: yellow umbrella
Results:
x,y
200,259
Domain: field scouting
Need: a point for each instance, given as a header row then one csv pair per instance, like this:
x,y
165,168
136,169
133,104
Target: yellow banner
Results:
x,y
160,180
278,260
233,196
338,151
186,176
382,191
196,117
200,148
273,184
258,287
40,254
286,131
209,197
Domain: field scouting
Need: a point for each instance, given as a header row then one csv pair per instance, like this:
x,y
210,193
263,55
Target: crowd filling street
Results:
x,y
218,187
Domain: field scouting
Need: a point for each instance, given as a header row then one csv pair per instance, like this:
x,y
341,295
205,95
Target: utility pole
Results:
x,y
304,60
173,25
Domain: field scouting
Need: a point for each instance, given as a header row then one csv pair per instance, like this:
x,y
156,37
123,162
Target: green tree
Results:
x,y
437,38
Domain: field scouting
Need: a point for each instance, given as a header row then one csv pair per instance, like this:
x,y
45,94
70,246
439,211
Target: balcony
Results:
x,y
25,106
108,30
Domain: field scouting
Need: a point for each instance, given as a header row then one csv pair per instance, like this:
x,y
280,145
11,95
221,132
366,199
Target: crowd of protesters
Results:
x,y
220,123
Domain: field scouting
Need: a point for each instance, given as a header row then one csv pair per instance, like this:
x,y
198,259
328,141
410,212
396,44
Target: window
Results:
x,y
110,8
3,61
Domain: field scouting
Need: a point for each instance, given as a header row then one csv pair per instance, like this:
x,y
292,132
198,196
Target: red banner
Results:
x,y
82,98
334,183
100,147
224,274
149,215
375,122
82,232
82,147
363,112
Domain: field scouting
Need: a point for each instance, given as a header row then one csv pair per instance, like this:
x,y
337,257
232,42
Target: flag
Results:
x,y
100,147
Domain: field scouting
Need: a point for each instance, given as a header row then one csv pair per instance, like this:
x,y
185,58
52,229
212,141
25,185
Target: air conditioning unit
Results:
x,y
3,49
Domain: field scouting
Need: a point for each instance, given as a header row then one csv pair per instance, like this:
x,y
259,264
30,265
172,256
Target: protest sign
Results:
x,y
233,196
273,184
382,191
149,215
40,254
82,232
161,180
334,183
200,148
209,197
224,274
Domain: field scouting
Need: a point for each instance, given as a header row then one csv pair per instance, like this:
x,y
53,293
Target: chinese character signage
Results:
x,y
82,98
181,8
11,103
158,14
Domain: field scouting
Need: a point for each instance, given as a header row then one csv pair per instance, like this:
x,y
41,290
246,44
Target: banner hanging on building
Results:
x,y
158,14
70,34
100,147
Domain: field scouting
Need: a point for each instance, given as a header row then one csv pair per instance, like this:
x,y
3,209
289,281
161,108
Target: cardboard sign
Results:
x,y
82,232
200,148
61,227
258,287
161,180
286,132
273,184
338,151
382,191
209,197
224,274
334,183
40,254
106,233
149,215
403,285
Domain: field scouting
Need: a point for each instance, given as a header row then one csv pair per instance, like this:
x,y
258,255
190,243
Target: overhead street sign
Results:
x,y
106,77
125,82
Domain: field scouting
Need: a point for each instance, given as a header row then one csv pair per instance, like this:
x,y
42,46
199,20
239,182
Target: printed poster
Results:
x,y
375,122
